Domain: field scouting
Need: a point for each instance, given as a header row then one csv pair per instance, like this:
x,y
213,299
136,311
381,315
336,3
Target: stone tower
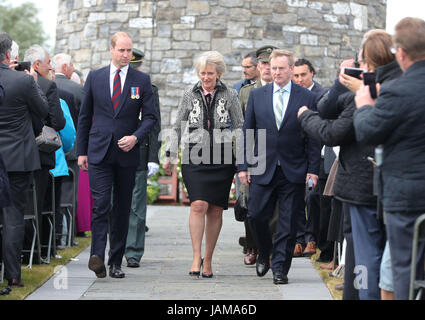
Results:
x,y
173,32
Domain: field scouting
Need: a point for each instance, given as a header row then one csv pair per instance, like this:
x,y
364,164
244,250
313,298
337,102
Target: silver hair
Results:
x,y
60,60
14,53
211,57
35,53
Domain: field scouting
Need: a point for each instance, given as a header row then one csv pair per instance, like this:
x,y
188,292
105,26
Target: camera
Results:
x,y
353,72
22,66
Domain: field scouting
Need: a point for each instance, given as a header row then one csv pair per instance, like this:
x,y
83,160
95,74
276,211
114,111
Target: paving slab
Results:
x,y
163,272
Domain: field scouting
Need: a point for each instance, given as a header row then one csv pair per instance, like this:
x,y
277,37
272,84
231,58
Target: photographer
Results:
x,y
19,151
396,121
354,179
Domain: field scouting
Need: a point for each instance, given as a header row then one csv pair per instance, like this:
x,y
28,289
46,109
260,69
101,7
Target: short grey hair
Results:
x,y
60,60
211,57
35,53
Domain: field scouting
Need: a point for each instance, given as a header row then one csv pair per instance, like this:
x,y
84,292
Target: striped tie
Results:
x,y
278,108
116,95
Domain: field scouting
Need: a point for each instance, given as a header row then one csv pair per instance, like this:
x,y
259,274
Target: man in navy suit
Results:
x,y
290,159
108,131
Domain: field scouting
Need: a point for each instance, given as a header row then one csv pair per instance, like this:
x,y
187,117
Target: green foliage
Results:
x,y
22,24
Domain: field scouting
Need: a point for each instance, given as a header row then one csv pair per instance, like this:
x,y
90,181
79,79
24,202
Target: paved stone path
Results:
x,y
163,274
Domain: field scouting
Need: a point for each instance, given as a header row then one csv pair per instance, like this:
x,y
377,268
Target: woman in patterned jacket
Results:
x,y
207,117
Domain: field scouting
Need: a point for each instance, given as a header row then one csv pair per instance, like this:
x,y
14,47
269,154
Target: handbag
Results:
x,y
241,205
49,140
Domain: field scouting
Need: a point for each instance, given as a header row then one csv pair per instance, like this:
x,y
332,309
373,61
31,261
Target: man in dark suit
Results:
x,y
148,166
289,160
108,131
19,151
40,62
309,229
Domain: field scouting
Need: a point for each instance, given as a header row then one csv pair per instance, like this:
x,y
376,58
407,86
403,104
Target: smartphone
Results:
x,y
22,66
353,72
369,79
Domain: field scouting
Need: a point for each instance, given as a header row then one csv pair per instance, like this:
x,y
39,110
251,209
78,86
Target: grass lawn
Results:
x,y
39,274
329,281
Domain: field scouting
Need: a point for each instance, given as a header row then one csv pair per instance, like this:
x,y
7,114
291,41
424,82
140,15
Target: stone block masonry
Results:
x,y
173,32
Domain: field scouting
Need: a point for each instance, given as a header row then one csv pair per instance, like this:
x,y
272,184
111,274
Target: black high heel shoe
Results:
x,y
207,275
197,273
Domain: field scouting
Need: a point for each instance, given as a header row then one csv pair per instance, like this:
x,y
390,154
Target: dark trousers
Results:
x,y
13,223
135,245
369,242
102,177
42,180
58,211
326,247
399,228
261,205
350,291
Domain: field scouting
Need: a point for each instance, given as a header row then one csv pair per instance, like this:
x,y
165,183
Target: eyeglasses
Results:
x,y
247,67
394,49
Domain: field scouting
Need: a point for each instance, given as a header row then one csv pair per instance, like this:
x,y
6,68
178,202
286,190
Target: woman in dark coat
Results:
x,y
354,180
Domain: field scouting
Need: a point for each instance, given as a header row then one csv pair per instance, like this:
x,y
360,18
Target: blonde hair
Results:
x,y
283,53
211,57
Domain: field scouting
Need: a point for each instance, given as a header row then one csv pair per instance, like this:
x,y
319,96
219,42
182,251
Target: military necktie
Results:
x,y
116,95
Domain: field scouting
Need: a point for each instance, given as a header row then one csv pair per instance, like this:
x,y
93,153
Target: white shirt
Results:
x,y
123,75
286,96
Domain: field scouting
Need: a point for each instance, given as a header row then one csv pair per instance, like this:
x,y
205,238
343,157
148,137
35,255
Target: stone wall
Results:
x,y
173,32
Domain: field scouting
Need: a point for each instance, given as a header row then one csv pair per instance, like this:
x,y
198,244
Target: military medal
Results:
x,y
133,93
137,93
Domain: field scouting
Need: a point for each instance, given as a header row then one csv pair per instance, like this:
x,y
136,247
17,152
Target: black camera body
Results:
x,y
22,66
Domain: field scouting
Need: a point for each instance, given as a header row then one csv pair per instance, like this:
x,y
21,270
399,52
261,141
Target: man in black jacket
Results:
x,y
309,231
19,151
396,121
40,62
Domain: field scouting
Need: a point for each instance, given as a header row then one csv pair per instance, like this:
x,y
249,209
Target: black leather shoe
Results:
x,y
279,278
15,283
116,272
133,263
97,266
262,268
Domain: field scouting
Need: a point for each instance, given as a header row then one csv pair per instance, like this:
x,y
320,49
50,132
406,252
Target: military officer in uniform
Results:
x,y
148,166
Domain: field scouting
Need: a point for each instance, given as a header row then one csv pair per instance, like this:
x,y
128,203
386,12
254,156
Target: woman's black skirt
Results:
x,y
210,183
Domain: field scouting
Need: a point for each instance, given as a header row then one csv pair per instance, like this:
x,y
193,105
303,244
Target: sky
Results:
x,y
396,10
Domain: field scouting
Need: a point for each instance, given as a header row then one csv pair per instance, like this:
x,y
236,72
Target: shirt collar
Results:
x,y
288,87
114,69
311,87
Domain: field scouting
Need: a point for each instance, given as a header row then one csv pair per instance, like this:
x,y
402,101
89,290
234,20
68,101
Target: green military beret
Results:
x,y
263,54
137,59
